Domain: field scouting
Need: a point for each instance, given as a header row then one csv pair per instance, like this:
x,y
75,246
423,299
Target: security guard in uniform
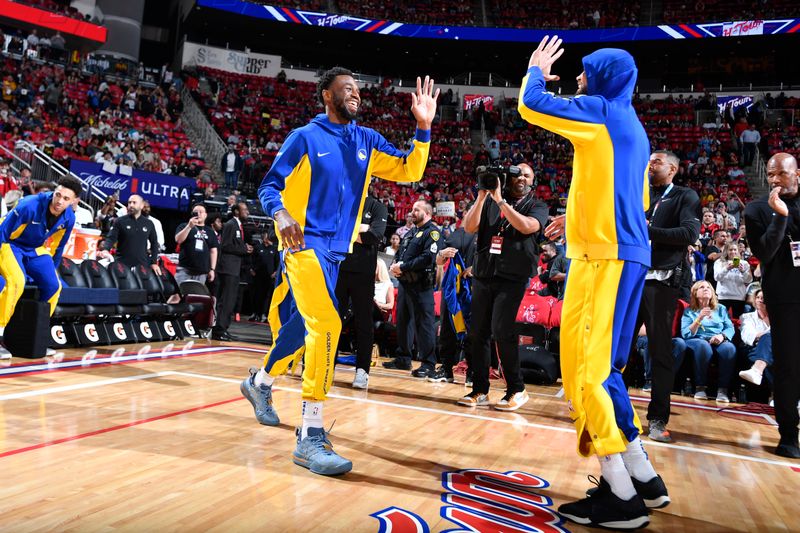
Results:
x,y
415,267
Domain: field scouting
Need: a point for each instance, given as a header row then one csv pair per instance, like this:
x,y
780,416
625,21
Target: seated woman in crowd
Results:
x,y
757,339
384,290
382,315
394,245
732,275
708,330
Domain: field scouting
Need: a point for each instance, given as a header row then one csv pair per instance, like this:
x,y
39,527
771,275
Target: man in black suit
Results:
x,y
233,246
264,269
355,286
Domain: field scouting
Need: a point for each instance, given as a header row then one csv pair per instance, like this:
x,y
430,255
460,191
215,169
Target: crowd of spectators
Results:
x,y
549,14
73,115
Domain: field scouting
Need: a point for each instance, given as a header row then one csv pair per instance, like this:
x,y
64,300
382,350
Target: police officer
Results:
x,y
415,267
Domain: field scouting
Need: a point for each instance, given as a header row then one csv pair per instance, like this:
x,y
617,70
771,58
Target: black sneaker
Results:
x,y
423,372
653,492
397,364
604,509
441,375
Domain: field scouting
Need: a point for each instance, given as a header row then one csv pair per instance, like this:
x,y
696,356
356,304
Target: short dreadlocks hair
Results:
x,y
327,78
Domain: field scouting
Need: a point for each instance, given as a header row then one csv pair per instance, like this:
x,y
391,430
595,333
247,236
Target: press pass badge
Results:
x,y
497,245
795,248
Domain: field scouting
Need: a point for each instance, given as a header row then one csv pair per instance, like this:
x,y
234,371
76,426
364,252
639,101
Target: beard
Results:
x,y
581,89
341,109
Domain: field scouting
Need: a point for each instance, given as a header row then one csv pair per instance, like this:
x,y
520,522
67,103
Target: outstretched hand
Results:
x,y
545,55
423,103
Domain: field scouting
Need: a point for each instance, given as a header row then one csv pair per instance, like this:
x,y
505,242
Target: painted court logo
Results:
x,y
477,500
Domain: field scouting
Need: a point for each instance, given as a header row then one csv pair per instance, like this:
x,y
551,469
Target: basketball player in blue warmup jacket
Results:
x,y
609,253
315,192
23,233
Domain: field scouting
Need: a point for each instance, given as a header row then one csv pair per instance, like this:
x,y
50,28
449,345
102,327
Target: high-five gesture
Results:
x,y
545,55
423,103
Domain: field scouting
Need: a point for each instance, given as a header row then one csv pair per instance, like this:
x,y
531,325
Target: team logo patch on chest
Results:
x,y
362,155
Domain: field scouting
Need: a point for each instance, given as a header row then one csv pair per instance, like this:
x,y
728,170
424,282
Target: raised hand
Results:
x,y
775,202
423,103
545,55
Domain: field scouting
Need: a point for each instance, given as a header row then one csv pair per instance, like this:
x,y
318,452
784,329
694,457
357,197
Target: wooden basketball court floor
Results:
x,y
158,438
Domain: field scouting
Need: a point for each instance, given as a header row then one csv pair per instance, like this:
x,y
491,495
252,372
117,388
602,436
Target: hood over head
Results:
x,y
610,73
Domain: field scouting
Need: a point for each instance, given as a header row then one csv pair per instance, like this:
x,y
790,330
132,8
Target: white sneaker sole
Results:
x,y
658,503
484,403
634,523
508,408
362,386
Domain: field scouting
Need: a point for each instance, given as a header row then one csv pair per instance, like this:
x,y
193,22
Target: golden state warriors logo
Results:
x,y
362,155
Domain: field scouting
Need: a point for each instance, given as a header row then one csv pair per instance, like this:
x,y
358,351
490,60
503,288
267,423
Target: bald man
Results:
x,y
135,238
773,225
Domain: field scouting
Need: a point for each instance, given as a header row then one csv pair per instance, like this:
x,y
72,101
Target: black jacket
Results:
x,y
364,256
132,237
519,251
232,248
674,226
769,234
465,243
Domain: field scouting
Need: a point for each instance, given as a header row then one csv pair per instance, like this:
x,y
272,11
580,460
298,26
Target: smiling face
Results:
x,y
343,98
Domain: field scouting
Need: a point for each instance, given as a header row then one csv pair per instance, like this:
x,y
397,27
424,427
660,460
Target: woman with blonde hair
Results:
x,y
384,290
708,330
733,276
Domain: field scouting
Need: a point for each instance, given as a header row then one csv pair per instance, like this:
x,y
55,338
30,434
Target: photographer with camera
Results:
x,y
199,248
506,216
415,267
673,225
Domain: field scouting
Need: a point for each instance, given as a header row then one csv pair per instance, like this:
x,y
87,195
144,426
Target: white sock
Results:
x,y
613,469
262,378
312,417
636,461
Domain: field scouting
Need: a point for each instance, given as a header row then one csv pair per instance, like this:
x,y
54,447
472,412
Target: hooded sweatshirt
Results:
x,y
609,193
322,173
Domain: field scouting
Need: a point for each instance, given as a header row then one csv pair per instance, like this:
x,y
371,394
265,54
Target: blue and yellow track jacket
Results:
x,y
26,226
322,173
609,193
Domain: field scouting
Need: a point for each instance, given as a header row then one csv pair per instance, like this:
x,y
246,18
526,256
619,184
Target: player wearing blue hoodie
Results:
x,y
609,252
315,192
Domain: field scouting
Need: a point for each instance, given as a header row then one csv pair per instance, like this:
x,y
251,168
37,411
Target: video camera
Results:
x,y
488,176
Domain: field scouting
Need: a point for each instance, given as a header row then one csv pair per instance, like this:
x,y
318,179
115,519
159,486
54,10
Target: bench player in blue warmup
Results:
x,y
23,233
315,192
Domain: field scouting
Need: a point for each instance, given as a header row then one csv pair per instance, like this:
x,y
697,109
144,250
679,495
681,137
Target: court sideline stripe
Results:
x,y
501,420
81,386
130,358
116,428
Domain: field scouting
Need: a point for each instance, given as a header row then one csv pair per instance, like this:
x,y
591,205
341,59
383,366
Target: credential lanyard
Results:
x,y
658,203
